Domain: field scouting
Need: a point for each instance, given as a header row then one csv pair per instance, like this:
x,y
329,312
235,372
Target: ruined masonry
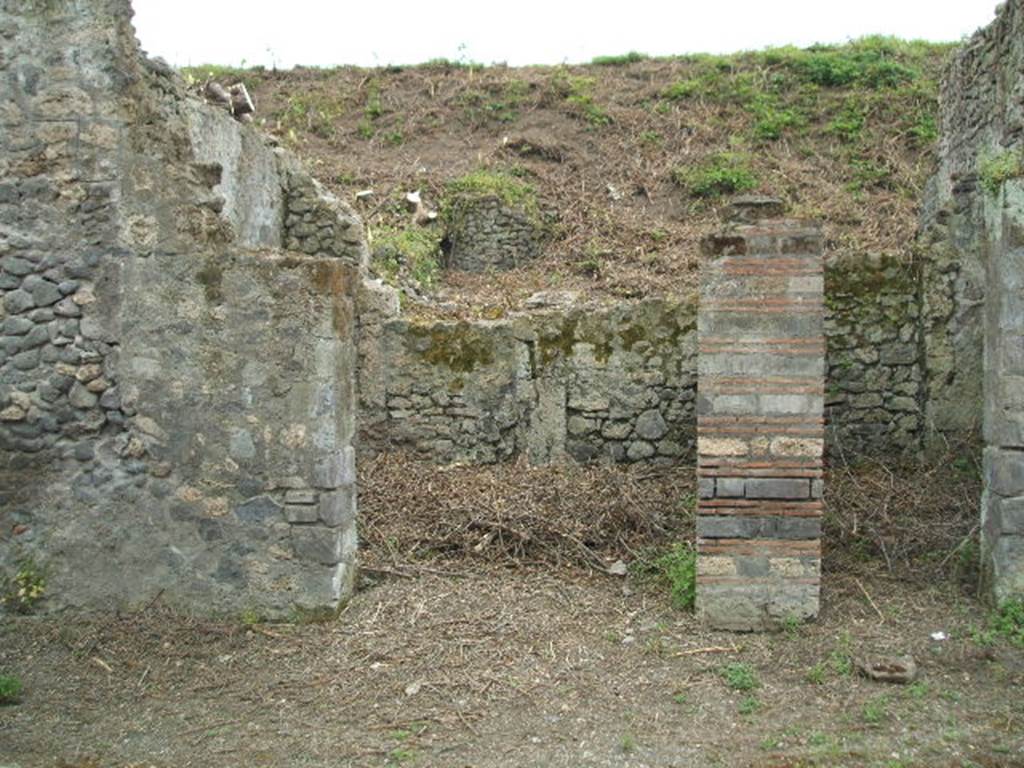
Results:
x,y
177,357
974,281
193,357
760,425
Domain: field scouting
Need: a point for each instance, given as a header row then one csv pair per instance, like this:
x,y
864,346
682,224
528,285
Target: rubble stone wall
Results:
x,y
591,384
619,384
487,233
875,384
176,390
974,289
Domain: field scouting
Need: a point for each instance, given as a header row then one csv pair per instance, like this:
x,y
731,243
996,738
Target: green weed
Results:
x,y
21,592
577,91
999,168
871,62
875,712
749,705
849,123
869,174
723,174
918,690
739,676
497,102
10,689
400,755
674,569
816,674
365,129
500,184
791,626
226,75
924,130
615,61
841,657
414,252
683,89
770,119
1008,622
374,107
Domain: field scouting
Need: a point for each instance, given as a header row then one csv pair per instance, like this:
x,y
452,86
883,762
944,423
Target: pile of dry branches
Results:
x,y
920,517
517,514
916,518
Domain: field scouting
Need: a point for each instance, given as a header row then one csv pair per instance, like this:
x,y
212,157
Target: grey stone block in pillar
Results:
x,y
760,426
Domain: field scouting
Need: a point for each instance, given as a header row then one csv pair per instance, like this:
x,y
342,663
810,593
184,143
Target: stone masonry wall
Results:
x,y
975,220
176,392
487,233
606,385
591,384
875,392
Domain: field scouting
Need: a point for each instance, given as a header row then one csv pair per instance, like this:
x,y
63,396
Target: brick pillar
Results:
x,y
760,424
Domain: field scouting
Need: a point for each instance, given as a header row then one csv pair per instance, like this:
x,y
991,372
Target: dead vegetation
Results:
x,y
915,518
843,134
486,632
414,512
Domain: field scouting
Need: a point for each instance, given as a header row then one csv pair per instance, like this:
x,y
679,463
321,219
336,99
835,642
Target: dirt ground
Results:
x,y
515,667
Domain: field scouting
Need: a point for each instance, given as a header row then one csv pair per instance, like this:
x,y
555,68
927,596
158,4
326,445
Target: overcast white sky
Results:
x,y
377,32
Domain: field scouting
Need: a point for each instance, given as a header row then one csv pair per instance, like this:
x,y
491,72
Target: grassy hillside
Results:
x,y
629,156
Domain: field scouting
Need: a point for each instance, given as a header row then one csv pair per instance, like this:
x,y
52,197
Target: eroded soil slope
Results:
x,y
630,157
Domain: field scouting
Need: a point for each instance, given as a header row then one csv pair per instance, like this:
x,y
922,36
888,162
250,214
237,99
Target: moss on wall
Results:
x,y
462,347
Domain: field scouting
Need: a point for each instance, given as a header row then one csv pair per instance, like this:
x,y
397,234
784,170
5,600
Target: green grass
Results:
x,y
413,252
816,674
874,62
726,173
494,102
374,107
674,569
875,712
500,184
749,706
739,676
841,657
682,89
251,77
848,124
867,173
999,168
1008,622
10,689
615,61
313,112
772,120
577,92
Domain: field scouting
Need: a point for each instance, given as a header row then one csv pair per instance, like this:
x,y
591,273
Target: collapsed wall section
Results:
x,y
760,425
177,397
